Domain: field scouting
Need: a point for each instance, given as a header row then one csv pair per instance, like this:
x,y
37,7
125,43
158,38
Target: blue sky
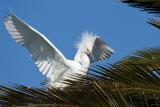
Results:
x,y
63,21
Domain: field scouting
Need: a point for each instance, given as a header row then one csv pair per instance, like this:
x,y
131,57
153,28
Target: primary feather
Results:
x,y
49,60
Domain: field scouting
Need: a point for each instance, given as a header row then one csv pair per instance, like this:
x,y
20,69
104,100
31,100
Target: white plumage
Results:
x,y
49,60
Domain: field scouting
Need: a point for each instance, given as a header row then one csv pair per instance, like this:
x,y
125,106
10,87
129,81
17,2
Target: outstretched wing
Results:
x,y
49,60
94,47
100,51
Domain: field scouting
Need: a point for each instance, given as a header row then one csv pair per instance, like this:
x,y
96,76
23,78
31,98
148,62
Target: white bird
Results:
x,y
49,60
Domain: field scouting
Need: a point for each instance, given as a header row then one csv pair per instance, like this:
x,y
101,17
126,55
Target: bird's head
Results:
x,y
87,51
86,43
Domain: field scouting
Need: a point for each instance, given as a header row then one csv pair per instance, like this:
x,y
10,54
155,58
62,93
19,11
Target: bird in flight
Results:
x,y
49,60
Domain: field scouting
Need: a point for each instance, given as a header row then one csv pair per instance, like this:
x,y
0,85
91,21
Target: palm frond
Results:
x,y
151,6
155,23
140,70
50,105
136,77
96,94
133,81
144,56
92,96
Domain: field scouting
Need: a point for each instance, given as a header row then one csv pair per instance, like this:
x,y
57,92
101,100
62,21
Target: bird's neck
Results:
x,y
83,59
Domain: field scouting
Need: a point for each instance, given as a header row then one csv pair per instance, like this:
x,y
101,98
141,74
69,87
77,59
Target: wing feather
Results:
x,y
100,50
46,56
96,48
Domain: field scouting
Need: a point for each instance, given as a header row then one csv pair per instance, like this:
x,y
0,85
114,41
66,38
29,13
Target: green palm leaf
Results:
x,y
155,23
140,70
151,6
133,81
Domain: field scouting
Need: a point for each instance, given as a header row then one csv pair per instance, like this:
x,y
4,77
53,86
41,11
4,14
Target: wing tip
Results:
x,y
111,49
10,12
9,15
